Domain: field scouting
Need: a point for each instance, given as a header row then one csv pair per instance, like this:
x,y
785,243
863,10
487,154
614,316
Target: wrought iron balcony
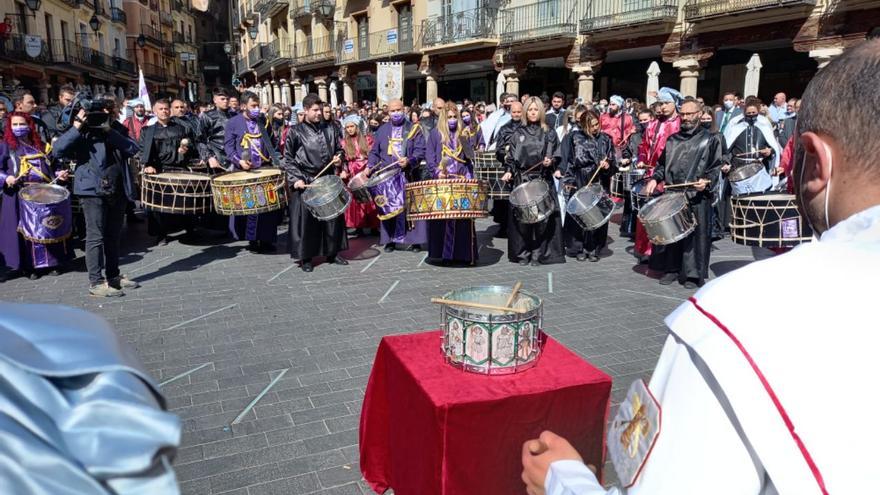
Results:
x,y
254,57
301,9
180,6
122,65
605,15
314,50
151,34
324,9
118,15
275,51
268,8
540,20
166,18
459,27
700,10
385,43
154,71
168,49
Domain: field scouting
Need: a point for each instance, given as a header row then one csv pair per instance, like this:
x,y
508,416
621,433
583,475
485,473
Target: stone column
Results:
x,y
823,56
321,83
285,92
689,70
511,80
347,91
276,92
585,81
297,90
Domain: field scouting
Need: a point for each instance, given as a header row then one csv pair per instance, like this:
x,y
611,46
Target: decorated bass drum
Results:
x,y
447,199
667,219
326,197
249,192
768,220
492,342
182,193
45,214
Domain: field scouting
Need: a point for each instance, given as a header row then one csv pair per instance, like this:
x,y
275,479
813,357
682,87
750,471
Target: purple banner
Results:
x,y
45,223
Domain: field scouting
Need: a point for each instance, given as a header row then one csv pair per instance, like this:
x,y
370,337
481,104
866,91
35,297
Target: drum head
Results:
x,y
529,192
744,172
45,194
385,175
323,190
584,199
259,173
181,176
663,207
359,181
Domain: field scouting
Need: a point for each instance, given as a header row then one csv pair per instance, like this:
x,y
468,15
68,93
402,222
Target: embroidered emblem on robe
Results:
x,y
634,432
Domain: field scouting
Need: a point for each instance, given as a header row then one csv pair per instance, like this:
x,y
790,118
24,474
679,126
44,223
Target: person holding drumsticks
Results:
x,y
450,155
693,155
358,216
533,155
310,148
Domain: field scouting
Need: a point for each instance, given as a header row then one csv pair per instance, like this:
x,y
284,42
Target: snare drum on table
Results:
x,y
249,192
668,218
45,214
447,199
768,220
182,193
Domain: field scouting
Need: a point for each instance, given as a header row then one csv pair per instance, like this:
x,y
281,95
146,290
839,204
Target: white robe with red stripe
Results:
x,y
769,398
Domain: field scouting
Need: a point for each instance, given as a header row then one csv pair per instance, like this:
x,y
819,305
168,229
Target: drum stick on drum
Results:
x,y
686,184
513,294
325,168
533,167
384,168
450,302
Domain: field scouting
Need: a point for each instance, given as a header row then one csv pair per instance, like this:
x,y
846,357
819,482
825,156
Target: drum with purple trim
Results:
x,y
387,189
45,214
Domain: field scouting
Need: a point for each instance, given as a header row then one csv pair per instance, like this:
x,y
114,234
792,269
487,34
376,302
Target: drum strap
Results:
x,y
25,166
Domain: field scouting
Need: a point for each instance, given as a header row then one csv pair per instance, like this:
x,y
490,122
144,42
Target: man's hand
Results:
x,y
766,151
650,187
778,171
442,175
538,454
506,177
149,170
244,164
604,165
625,161
403,162
701,185
300,184
547,161
336,159
63,175
80,118
558,174
725,168
343,175
10,180
641,165
182,150
213,162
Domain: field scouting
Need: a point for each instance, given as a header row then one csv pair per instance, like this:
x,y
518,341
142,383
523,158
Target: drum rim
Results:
x,y
262,173
384,176
524,184
758,167
65,193
666,217
171,175
476,315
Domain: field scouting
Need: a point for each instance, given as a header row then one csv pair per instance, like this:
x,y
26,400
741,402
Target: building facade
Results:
x,y
586,48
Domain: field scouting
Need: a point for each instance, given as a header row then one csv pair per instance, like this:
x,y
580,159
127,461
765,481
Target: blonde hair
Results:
x,y
443,123
534,100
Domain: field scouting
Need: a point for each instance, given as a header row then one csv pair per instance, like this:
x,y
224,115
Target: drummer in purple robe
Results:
x,y
37,241
401,142
450,155
248,146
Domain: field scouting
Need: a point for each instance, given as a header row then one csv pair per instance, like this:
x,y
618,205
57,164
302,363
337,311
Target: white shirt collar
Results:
x,y
863,226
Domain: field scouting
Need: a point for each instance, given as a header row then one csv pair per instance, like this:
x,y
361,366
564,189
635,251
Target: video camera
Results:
x,y
97,117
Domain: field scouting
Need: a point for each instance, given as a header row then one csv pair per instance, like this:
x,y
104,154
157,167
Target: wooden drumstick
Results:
x,y
598,168
385,168
332,162
534,167
513,294
451,302
686,184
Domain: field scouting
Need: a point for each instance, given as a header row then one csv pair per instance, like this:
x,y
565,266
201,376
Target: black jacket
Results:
x,y
213,133
529,145
586,154
309,147
100,157
690,155
159,146
502,139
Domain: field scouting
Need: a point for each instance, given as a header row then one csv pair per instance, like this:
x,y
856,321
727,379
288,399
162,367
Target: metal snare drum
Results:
x,y
590,207
632,177
358,187
326,197
638,196
668,219
492,342
619,186
749,178
533,201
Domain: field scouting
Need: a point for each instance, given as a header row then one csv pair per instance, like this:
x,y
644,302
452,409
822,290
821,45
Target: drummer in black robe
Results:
x,y
590,149
501,207
533,155
310,146
249,146
692,154
167,146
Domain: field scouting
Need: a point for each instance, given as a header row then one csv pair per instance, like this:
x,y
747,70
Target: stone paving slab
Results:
x,y
243,318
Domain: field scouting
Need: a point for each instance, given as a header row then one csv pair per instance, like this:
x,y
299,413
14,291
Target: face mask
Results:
x,y
750,119
453,124
706,125
254,112
374,126
728,104
466,119
397,118
21,131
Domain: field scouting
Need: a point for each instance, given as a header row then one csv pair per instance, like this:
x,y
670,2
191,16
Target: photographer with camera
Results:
x,y
103,183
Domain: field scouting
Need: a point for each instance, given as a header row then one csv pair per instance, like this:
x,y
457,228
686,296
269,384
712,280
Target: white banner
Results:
x,y
389,81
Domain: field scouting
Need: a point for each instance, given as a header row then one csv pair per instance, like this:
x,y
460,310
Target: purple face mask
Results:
x,y
21,131
254,112
397,118
453,124
466,119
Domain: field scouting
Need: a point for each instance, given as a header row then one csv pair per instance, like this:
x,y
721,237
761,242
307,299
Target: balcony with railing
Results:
x,y
118,15
541,20
268,8
386,43
151,34
180,6
605,15
461,27
168,49
300,9
701,10
254,57
166,18
57,52
275,51
314,50
102,10
154,71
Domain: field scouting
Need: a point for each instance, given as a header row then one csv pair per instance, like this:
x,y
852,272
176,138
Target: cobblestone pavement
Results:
x,y
239,319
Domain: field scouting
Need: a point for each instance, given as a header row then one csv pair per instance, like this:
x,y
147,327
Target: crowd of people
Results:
x,y
566,143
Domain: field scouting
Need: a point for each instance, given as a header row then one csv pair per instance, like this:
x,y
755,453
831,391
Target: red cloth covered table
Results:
x,y
428,428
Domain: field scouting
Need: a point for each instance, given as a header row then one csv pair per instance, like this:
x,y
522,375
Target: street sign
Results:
x,y
212,67
186,57
33,45
392,37
348,46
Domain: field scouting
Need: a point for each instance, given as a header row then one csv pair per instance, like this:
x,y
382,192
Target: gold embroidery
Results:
x,y
637,427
